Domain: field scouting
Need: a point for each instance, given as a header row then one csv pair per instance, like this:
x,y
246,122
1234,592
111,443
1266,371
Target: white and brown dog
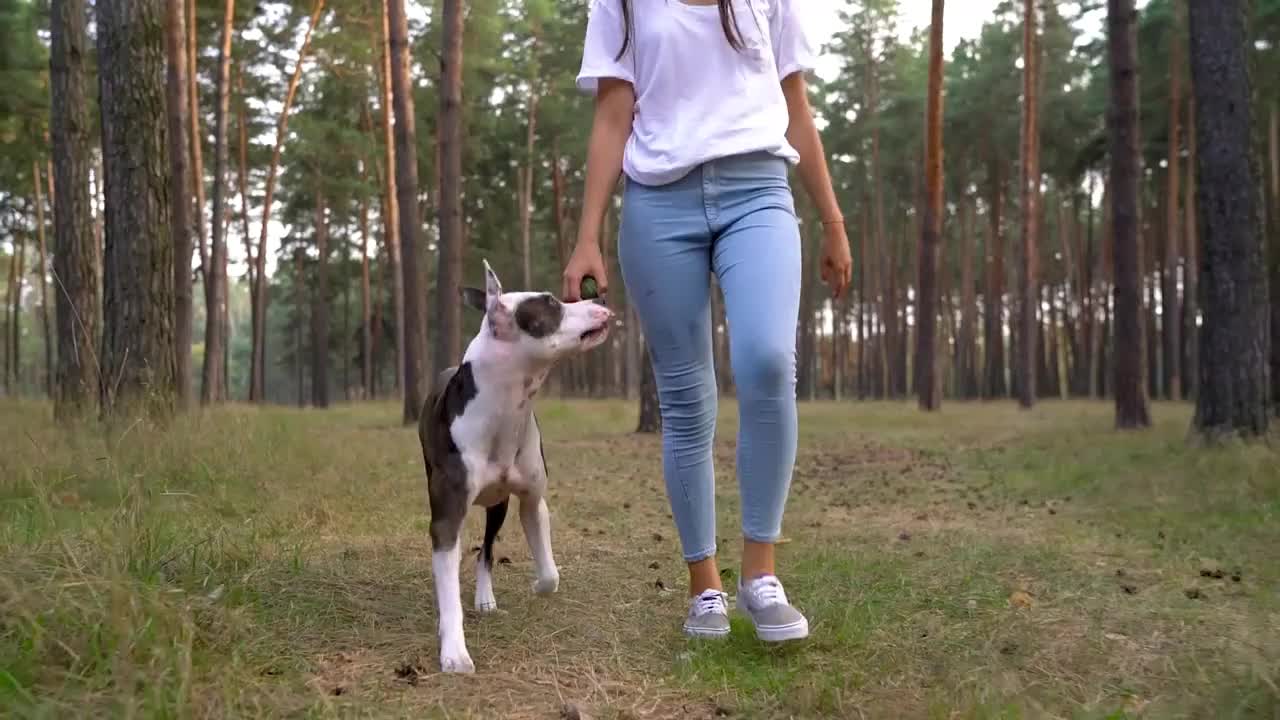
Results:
x,y
481,443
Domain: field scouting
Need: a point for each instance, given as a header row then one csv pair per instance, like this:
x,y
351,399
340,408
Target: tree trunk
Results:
x,y
993,345
1273,142
449,270
75,268
1030,204
1191,295
17,275
215,286
927,388
1129,366
137,341
196,141
414,347
251,260
526,186
806,370
180,193
860,329
1098,290
366,314
966,345
44,283
650,414
300,279
320,310
258,372
1235,345
1172,316
390,199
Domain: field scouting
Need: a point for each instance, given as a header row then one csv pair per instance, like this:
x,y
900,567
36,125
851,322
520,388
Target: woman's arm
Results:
x,y
610,128
802,134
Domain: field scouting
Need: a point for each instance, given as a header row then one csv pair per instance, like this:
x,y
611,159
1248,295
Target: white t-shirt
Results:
x,y
697,98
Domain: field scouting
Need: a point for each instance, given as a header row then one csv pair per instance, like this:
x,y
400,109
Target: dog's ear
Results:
x,y
473,298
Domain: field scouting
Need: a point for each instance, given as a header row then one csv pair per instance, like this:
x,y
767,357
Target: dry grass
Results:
x,y
982,562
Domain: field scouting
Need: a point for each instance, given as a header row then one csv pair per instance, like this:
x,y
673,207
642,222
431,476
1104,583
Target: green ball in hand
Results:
x,y
588,289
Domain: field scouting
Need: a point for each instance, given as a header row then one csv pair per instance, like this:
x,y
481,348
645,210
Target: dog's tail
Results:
x,y
493,519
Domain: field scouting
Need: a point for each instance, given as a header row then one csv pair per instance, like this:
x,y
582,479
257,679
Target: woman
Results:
x,y
702,103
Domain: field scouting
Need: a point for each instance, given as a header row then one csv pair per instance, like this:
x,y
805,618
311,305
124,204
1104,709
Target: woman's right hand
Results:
x,y
586,260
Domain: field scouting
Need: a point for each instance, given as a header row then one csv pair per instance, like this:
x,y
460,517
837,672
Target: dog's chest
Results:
x,y
491,436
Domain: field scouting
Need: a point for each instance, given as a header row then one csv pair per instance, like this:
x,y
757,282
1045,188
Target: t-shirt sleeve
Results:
x,y
792,47
605,32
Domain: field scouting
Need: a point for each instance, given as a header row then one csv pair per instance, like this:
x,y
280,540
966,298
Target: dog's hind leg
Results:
x,y
486,602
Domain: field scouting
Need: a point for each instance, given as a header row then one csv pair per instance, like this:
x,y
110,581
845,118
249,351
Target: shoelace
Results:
x,y
766,591
709,601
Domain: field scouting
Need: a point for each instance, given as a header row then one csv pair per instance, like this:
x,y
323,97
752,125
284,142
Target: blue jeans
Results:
x,y
735,217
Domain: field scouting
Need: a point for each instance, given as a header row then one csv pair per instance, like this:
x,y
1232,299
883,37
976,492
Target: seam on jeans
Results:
x,y
700,554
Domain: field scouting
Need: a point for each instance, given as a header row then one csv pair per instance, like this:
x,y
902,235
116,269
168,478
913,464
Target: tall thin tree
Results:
x,y
1030,188
1171,315
75,272
1233,397
927,385
137,338
413,258
449,269
215,286
390,199
43,258
175,38
1128,331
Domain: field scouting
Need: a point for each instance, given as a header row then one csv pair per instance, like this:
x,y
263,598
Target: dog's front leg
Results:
x,y
448,510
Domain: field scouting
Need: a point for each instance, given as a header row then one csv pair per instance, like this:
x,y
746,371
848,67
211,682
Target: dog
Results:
x,y
481,443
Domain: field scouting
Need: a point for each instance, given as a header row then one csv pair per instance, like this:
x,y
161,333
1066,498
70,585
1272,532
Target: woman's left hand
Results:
x,y
837,262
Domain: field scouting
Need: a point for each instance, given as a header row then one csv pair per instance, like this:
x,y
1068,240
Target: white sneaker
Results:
x,y
765,602
708,615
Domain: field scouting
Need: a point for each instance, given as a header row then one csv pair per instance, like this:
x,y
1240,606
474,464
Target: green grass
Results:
x,y
982,562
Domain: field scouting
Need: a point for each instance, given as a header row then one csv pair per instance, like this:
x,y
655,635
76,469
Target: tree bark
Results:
x,y
1030,204
75,269
1129,368
1273,142
17,275
366,313
257,373
1171,314
180,193
927,388
215,286
449,269
391,203
996,385
1234,394
414,347
526,184
320,309
1191,299
251,260
966,345
44,282
196,140
137,342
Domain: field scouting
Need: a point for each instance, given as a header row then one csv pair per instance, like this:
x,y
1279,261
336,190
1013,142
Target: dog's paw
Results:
x,y
457,660
486,606
547,585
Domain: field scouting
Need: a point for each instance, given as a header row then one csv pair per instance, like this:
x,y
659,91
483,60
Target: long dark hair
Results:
x,y
728,21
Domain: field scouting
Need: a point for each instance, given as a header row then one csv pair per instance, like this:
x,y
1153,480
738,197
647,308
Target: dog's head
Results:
x,y
536,326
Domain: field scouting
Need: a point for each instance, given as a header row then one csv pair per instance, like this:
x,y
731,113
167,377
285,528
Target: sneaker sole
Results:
x,y
706,633
797,630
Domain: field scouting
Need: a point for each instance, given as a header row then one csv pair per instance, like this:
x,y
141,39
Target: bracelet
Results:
x,y
838,221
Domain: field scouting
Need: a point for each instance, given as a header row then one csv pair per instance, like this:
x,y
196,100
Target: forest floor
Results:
x,y
981,562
